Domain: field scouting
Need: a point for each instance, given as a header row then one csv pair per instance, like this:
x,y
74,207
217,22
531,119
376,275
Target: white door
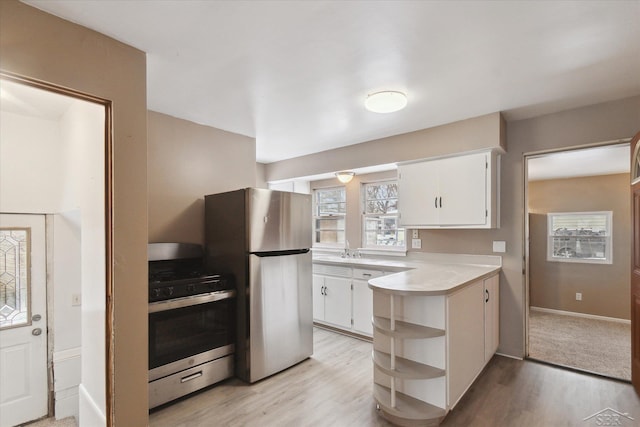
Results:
x,y
362,307
418,194
491,316
337,301
318,297
23,320
463,188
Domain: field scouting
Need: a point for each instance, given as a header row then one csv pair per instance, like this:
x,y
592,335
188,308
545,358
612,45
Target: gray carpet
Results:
x,y
593,345
52,422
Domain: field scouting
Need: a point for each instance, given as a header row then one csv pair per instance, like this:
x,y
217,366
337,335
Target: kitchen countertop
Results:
x,y
440,276
364,262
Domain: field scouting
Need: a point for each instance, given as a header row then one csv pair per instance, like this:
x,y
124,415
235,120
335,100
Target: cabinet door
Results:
x,y
318,297
417,194
463,189
491,316
337,301
362,307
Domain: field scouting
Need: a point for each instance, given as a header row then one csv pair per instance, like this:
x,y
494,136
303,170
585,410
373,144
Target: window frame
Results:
x,y
608,239
364,215
317,217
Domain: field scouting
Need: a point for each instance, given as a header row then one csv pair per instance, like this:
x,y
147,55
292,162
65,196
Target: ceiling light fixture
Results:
x,y
386,101
345,176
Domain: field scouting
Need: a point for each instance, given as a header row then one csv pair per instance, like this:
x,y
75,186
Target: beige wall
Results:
x,y
604,287
261,181
186,162
593,124
40,46
472,134
588,125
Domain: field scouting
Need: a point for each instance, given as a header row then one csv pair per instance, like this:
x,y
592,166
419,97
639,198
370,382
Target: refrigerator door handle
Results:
x,y
280,253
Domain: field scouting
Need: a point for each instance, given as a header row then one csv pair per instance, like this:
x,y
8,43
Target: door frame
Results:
x,y
525,229
108,226
635,321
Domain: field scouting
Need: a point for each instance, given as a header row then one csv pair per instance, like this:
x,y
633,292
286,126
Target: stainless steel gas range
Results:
x,y
191,323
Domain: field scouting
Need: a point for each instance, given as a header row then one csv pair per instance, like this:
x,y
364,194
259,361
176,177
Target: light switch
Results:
x,y
415,234
416,244
499,246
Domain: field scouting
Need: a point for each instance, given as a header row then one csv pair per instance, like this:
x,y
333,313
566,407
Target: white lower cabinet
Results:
x,y
362,307
363,300
428,350
491,316
342,297
332,299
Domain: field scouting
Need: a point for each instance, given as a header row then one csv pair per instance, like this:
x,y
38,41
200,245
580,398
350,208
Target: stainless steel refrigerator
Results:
x,y
263,237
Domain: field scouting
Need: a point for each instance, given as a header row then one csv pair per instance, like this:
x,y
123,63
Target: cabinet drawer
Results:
x,y
360,273
332,270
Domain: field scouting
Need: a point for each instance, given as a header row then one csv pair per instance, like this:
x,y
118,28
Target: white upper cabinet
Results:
x,y
451,192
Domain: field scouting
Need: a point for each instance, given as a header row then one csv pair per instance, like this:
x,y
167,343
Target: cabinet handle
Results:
x,y
440,201
487,291
366,274
325,290
322,290
435,202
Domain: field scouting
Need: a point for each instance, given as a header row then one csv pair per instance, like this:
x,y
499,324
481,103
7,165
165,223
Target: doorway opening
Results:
x,y
54,164
577,230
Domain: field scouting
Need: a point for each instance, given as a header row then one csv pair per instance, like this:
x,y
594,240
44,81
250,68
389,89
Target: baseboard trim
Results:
x,y
575,314
509,356
71,353
89,410
342,331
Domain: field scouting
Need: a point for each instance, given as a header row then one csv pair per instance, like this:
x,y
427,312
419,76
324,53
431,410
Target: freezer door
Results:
x,y
280,313
278,220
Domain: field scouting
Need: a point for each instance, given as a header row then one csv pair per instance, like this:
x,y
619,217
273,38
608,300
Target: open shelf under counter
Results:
x,y
405,330
408,411
405,368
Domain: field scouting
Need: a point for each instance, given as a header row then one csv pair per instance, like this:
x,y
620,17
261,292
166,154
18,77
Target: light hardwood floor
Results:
x,y
333,388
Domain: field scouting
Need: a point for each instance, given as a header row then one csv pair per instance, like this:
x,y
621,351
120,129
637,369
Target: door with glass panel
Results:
x,y
23,321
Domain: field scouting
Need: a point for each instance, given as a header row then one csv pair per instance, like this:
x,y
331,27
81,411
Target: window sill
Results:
x,y
383,252
328,250
582,260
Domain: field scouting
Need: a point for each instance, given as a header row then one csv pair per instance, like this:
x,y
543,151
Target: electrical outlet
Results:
x,y
578,296
76,299
414,234
499,246
416,244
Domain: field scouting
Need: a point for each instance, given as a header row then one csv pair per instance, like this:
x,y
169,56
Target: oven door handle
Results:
x,y
171,304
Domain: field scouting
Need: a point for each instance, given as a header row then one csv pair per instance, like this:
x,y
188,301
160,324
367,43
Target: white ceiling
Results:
x,y
604,160
30,101
294,74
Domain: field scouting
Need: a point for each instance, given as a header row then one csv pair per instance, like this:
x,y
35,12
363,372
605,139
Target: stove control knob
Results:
x,y
155,293
191,288
168,291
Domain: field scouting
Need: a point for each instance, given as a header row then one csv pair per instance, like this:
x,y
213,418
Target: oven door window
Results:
x,y
183,332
